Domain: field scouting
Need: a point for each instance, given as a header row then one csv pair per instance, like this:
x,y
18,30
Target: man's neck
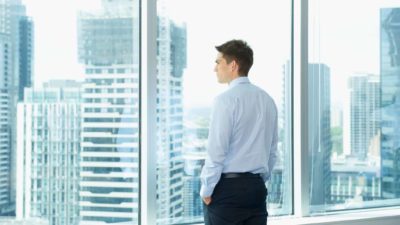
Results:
x,y
234,76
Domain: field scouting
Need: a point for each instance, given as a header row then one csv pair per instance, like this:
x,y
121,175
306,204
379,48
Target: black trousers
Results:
x,y
237,201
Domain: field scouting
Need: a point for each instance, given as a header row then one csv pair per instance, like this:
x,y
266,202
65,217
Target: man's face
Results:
x,y
223,69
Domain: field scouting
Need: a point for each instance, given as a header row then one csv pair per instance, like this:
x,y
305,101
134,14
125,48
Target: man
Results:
x,y
242,144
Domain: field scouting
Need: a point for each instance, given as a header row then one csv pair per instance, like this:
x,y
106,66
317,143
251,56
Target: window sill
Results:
x,y
386,216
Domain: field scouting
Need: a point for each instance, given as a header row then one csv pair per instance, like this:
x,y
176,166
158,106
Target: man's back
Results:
x,y
253,115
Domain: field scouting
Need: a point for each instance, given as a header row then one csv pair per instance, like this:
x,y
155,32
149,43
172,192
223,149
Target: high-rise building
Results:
x,y
279,197
5,124
171,56
25,70
364,113
194,154
192,210
319,133
18,63
390,102
49,128
108,41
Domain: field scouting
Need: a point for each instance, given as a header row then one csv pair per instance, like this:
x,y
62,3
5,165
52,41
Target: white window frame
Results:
x,y
301,209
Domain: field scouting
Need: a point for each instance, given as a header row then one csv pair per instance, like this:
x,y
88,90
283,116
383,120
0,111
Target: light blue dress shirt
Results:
x,y
242,136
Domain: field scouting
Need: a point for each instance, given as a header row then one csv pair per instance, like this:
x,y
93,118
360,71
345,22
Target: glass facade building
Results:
x,y
5,124
390,102
320,137
364,114
48,147
17,45
171,62
109,157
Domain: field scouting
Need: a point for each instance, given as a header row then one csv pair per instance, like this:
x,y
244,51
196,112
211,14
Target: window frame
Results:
x,y
299,124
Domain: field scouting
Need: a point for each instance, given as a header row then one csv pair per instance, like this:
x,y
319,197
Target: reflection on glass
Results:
x,y
390,102
186,86
352,103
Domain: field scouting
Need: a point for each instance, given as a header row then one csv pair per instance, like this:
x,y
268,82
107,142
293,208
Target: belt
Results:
x,y
239,175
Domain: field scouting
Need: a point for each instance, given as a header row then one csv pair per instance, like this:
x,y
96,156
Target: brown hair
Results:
x,y
239,51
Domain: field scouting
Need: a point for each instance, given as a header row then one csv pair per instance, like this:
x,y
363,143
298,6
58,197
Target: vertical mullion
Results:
x,y
300,79
292,125
148,82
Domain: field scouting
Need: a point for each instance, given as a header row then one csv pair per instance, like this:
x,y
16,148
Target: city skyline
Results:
x,y
201,54
200,67
109,152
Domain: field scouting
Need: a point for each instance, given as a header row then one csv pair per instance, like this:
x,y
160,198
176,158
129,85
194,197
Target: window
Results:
x,y
353,76
188,32
76,140
73,105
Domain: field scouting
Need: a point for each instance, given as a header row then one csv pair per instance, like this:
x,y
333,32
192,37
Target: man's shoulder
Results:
x,y
224,97
266,96
262,91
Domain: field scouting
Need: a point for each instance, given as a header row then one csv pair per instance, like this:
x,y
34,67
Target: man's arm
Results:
x,y
274,148
273,151
218,144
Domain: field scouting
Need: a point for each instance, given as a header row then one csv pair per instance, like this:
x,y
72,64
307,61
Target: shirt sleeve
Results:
x,y
273,150
218,145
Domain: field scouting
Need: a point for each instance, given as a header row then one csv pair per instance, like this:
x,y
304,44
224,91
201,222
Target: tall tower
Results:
x,y
5,124
48,145
171,57
12,15
319,133
109,50
25,69
280,181
364,113
194,154
390,102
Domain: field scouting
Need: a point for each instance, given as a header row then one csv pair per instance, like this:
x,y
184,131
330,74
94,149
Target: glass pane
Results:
x,y
188,32
72,72
354,74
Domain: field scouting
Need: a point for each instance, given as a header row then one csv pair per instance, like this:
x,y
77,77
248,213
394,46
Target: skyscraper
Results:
x,y
279,188
171,56
12,15
364,113
108,48
48,146
390,102
194,154
5,124
25,70
319,133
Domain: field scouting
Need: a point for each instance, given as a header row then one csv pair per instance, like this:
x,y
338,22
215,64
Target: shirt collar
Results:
x,y
239,80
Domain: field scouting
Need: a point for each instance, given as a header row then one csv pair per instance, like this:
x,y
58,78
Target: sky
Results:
x,y
210,23
56,40
55,35
343,34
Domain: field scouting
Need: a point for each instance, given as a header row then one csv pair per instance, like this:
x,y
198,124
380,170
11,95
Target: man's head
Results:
x,y
234,59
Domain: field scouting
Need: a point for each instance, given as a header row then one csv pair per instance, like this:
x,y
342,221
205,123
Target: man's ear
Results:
x,y
234,65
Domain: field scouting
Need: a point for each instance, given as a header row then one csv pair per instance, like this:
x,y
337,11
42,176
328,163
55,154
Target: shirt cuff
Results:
x,y
266,176
205,192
